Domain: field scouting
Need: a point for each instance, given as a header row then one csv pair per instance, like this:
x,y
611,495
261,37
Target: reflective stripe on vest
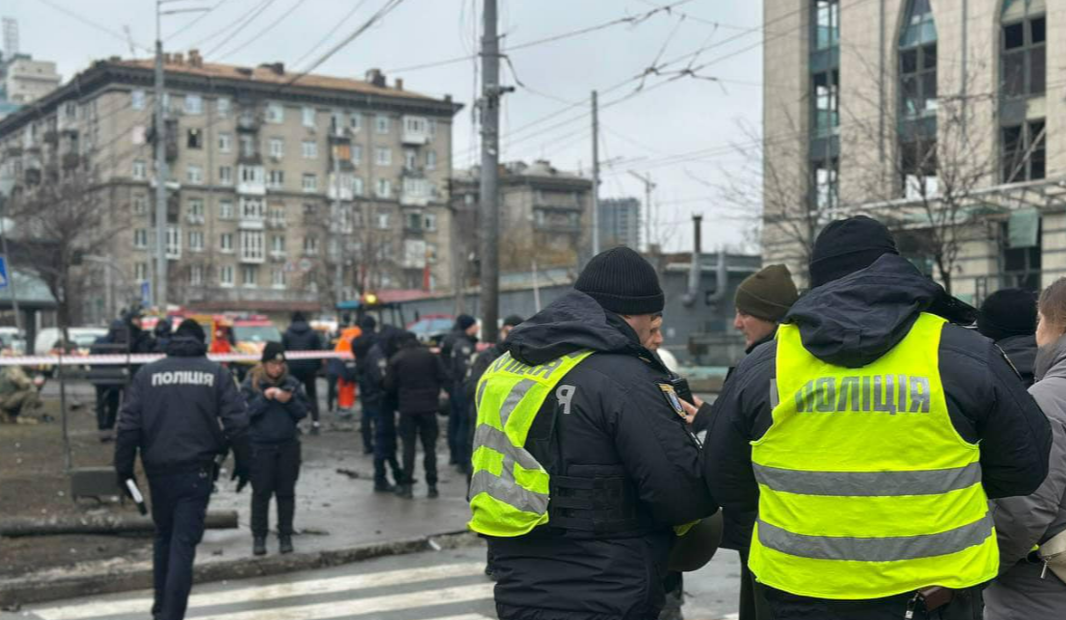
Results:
x,y
509,488
866,489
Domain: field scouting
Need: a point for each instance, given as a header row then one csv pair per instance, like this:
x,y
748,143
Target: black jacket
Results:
x,y
415,376
457,349
173,409
620,424
370,366
273,421
853,322
478,368
1021,351
301,337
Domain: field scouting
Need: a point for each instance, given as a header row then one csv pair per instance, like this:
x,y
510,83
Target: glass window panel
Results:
x,y
1038,30
1012,138
1037,70
928,32
1014,36
908,61
1013,74
929,57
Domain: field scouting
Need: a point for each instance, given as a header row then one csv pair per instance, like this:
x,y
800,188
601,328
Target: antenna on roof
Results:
x,y
11,36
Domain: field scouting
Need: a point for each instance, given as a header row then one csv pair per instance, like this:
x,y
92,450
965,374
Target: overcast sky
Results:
x,y
644,132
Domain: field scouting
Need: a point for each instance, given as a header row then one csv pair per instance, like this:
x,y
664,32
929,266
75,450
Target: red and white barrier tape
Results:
x,y
141,358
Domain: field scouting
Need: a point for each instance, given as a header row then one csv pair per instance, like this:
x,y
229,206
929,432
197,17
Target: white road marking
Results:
x,y
309,587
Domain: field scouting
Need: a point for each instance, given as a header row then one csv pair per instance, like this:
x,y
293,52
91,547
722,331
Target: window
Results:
x,y
824,183
416,188
355,121
826,102
140,238
277,215
194,139
225,209
277,244
384,189
432,124
277,278
140,204
309,149
357,154
140,169
918,168
140,271
225,244
357,186
196,210
308,115
410,157
196,241
252,245
225,175
414,221
918,61
194,174
381,124
1024,155
247,146
173,248
826,24
431,160
276,180
222,106
275,113
1023,44
251,209
381,220
225,142
311,245
194,104
277,148
196,275
357,218
252,174
415,124
383,156
429,221
225,275
137,99
309,182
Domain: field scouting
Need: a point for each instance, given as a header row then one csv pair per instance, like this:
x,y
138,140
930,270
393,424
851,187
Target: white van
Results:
x,y
83,338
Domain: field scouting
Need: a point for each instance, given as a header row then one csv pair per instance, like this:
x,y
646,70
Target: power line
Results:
x,y
332,31
93,24
198,18
387,8
252,16
270,27
231,24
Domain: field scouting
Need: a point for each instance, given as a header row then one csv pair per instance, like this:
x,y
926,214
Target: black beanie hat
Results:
x,y
513,321
189,328
847,246
621,281
273,352
465,322
1008,312
298,317
368,324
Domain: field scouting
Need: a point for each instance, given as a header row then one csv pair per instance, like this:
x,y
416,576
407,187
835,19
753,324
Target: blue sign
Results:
x,y
146,293
3,272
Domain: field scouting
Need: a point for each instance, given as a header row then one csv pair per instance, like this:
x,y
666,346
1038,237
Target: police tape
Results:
x,y
145,358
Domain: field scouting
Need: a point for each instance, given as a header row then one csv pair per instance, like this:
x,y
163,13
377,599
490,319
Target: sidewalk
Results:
x,y
339,518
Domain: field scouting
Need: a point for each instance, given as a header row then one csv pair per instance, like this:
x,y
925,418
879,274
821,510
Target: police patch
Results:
x,y
671,398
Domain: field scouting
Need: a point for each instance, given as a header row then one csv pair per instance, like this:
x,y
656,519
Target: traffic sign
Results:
x,y
3,272
146,293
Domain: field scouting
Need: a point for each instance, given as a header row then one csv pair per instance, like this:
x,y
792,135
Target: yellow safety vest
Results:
x,y
866,489
509,488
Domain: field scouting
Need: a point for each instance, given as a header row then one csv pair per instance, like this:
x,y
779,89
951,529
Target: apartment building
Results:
x,y
285,191
545,216
943,119
620,222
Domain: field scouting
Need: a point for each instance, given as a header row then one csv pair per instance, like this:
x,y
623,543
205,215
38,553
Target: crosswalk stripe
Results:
x,y
358,607
309,587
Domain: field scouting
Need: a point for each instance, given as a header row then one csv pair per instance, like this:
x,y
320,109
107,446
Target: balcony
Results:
x,y
415,130
252,180
416,192
249,122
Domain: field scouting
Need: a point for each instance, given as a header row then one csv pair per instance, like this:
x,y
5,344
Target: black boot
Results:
x,y
259,545
383,486
285,544
404,491
433,493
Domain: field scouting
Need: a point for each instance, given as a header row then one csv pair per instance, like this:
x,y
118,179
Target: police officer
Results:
x,y
869,435
370,366
582,462
276,402
181,413
457,349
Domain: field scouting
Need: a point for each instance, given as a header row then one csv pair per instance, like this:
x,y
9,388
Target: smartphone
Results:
x,y
681,387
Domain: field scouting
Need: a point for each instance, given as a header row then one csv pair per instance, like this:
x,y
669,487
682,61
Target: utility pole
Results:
x,y
489,188
338,253
648,187
595,175
160,172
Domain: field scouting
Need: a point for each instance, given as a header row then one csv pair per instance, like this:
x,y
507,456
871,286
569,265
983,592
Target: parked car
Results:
x,y
432,328
12,340
81,337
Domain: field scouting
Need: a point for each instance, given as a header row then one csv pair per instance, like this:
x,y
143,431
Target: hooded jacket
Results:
x,y
1021,522
1021,351
273,421
173,409
370,365
620,424
415,376
852,322
300,336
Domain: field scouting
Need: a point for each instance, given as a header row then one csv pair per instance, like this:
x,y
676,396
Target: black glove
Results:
x,y
242,459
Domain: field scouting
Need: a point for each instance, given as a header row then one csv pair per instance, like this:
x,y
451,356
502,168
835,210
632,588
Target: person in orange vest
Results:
x,y
346,376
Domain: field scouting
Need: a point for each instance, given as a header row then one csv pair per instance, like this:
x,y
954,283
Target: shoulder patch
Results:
x,y
671,398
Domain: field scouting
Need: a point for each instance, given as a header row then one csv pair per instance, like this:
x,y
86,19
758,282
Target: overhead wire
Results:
x,y
252,16
268,28
230,25
93,24
197,20
332,31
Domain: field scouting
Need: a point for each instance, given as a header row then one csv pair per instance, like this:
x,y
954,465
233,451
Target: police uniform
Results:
x,y
181,413
869,435
457,350
582,464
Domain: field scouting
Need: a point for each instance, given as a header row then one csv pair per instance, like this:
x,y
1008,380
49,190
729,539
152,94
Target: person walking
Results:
x,y
370,367
457,349
181,414
416,377
300,336
1027,588
1008,317
869,436
584,473
276,403
109,380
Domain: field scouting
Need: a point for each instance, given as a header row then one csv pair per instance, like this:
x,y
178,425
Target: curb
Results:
x,y
23,591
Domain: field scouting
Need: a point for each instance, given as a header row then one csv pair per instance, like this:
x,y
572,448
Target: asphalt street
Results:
x,y
447,585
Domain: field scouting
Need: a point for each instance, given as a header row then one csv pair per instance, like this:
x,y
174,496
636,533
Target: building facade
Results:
x,y
285,191
942,119
619,222
545,216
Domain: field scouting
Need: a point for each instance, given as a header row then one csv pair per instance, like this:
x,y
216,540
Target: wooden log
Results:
x,y
99,524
